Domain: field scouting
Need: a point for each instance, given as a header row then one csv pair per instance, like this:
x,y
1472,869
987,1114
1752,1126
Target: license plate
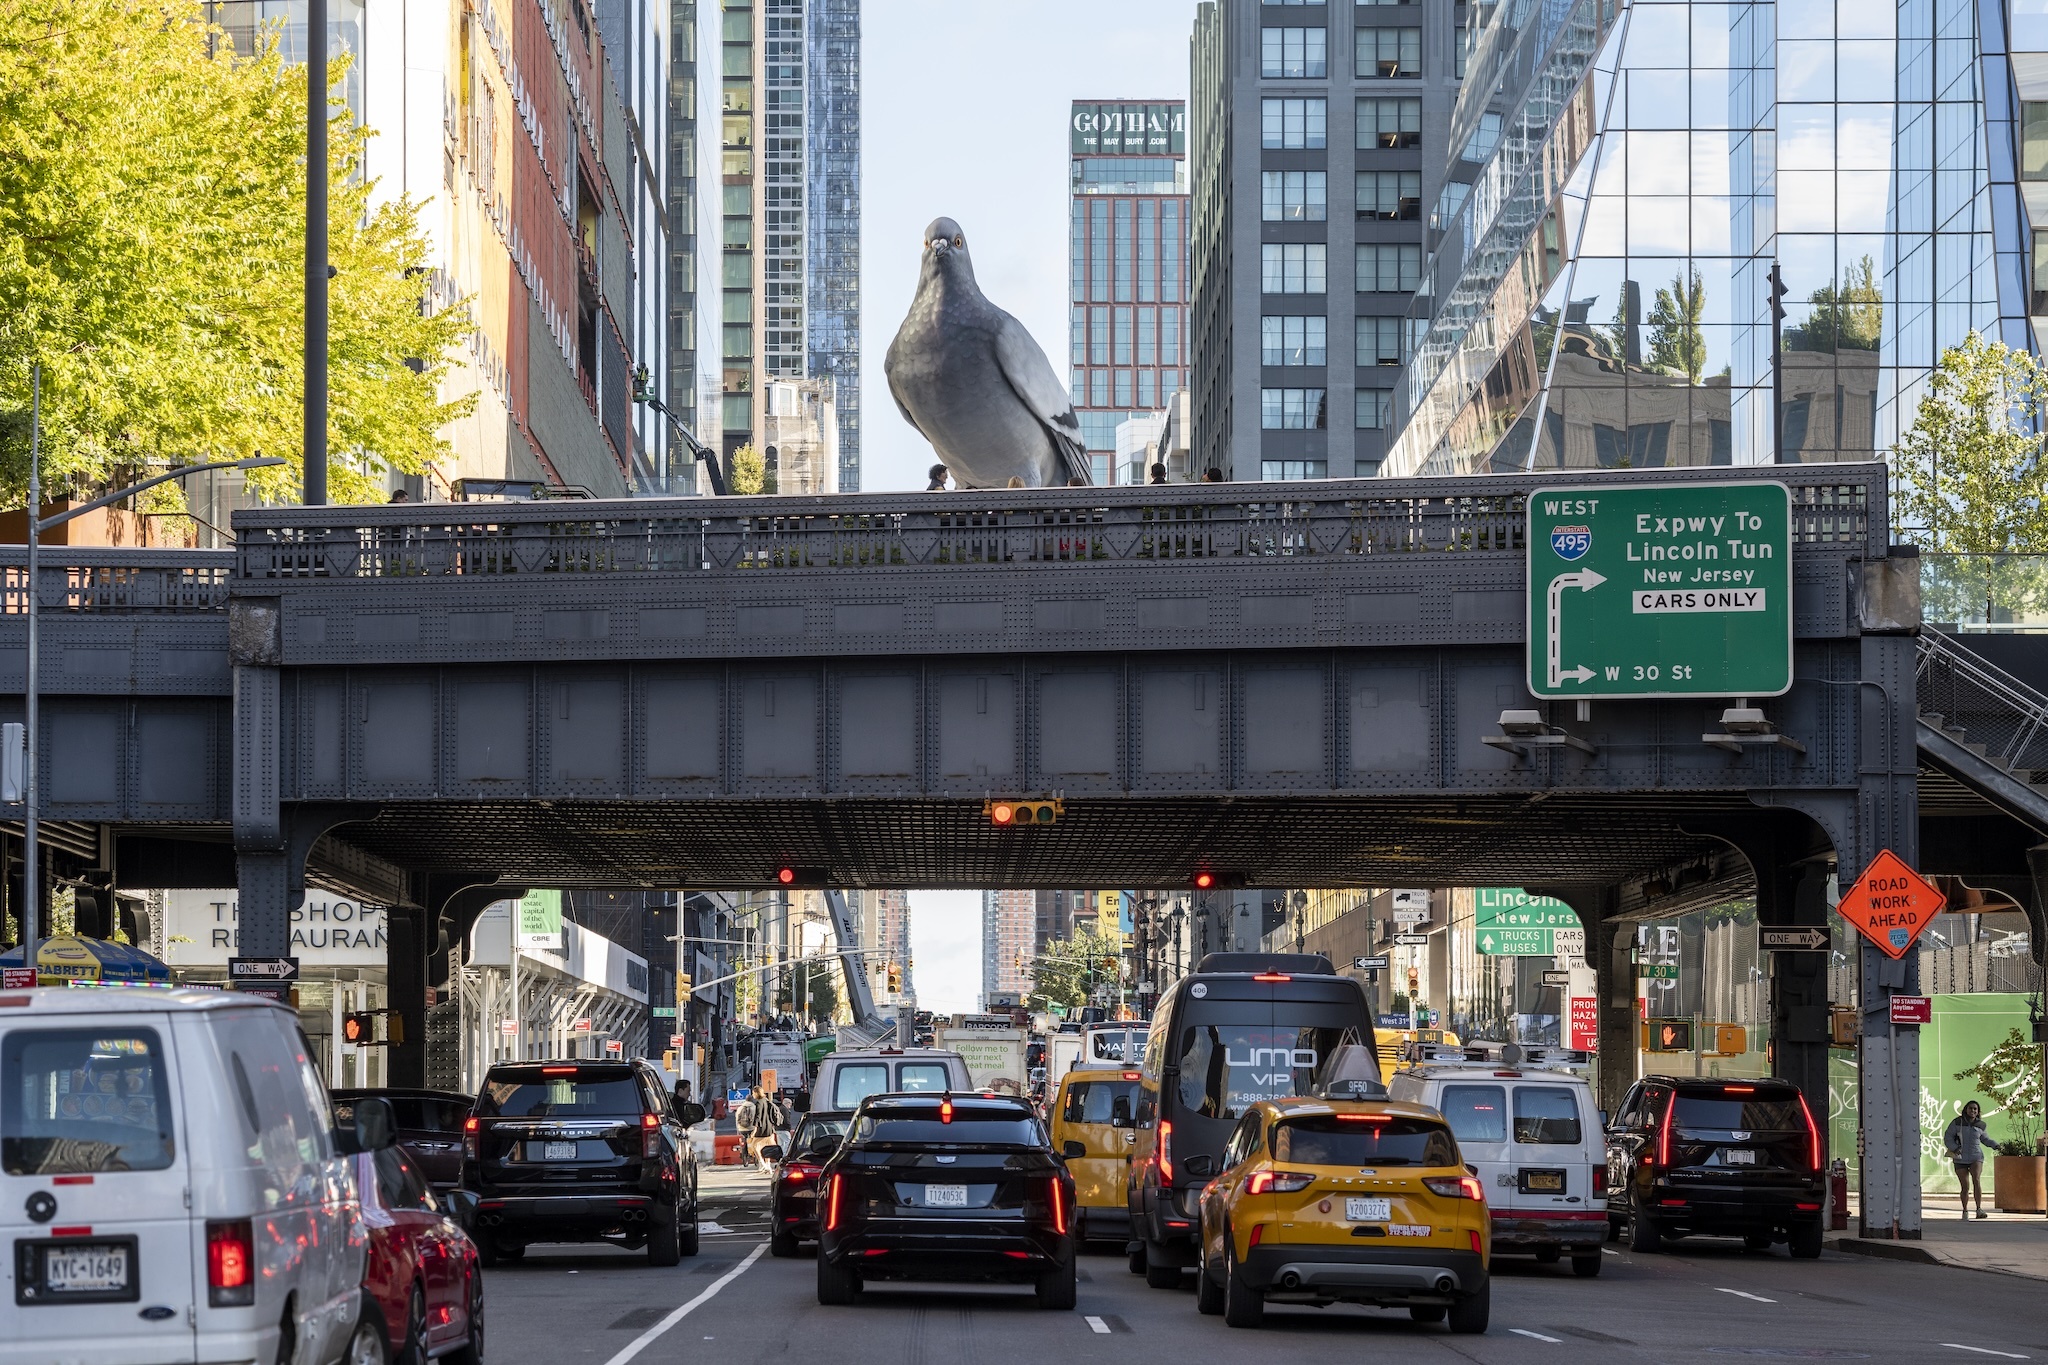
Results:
x,y
945,1196
557,1151
85,1269
1543,1182
1368,1210
1738,1156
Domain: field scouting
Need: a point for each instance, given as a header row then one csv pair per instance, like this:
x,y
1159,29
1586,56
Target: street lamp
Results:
x,y
31,873
643,392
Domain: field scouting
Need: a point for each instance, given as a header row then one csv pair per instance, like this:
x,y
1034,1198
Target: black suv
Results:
x,y
581,1151
1704,1154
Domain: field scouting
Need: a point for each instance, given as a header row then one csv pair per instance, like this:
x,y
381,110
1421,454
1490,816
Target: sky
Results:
x,y
964,107
964,116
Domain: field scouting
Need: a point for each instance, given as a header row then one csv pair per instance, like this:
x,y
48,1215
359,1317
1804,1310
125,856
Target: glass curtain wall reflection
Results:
x,y
1627,175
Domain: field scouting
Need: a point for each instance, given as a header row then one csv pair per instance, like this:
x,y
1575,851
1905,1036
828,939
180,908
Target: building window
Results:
x,y
2039,305
2034,139
1294,196
739,342
1293,53
1294,341
1461,48
1147,399
736,412
1148,345
1389,123
1390,196
1148,250
1389,52
1169,336
1389,267
1098,336
1098,251
1078,349
1098,389
1123,388
1294,267
1291,409
1122,355
1077,251
1169,265
1316,4
1292,471
1123,251
1374,405
1291,124
1380,342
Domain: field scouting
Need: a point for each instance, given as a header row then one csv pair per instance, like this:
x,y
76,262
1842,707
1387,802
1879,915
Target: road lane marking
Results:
x,y
1525,1332
1744,1294
1610,1251
1985,1351
676,1315
1097,1325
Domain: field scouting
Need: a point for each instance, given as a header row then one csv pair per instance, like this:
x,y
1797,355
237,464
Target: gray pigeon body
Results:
x,y
972,381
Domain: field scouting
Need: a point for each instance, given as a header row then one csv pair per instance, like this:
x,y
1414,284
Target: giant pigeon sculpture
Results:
x,y
972,381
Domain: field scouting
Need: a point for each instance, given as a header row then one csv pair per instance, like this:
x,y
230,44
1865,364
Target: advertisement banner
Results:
x,y
540,919
201,930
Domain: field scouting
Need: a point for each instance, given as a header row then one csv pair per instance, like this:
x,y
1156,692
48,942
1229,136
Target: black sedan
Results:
x,y
946,1187
429,1128
793,1197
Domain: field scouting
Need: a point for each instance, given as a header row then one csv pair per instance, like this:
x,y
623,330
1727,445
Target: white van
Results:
x,y
1528,1124
170,1188
847,1078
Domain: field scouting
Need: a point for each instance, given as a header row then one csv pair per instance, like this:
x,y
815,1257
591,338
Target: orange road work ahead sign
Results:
x,y
1891,903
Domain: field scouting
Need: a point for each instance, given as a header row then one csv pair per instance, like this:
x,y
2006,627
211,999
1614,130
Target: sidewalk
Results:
x,y
2004,1243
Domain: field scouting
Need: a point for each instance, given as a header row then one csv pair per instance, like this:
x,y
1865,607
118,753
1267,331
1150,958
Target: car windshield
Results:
x,y
1095,1101
1226,1067
855,1082
424,1113
1364,1140
1477,1113
82,1100
1546,1115
817,1129
921,1078
570,1095
1772,1114
993,1127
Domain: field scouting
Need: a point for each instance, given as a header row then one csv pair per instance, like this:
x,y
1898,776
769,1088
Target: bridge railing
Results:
x,y
1839,505
104,581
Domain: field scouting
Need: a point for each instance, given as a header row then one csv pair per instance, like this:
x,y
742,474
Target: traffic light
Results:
x,y
810,877
359,1028
683,989
895,979
1005,812
1669,1035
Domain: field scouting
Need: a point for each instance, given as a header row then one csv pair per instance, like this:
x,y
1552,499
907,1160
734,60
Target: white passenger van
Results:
x,y
170,1188
1526,1121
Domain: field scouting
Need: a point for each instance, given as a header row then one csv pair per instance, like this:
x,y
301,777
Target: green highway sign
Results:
x,y
1517,942
1510,907
1660,590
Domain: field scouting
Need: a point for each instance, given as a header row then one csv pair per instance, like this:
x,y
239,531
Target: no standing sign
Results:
x,y
1660,590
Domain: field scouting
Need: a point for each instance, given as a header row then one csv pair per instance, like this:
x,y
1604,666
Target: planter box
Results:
x,y
2019,1184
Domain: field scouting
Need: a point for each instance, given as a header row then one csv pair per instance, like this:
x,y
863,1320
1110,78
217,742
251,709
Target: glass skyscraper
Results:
x,y
1631,184
1128,254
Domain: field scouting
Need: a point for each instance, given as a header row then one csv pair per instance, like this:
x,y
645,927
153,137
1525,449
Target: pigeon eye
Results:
x,y
959,241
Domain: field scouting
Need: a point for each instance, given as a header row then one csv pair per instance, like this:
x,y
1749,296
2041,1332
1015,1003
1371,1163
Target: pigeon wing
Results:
x,y
1031,375
889,370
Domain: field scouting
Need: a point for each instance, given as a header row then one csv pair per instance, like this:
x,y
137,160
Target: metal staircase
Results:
x,y
1984,727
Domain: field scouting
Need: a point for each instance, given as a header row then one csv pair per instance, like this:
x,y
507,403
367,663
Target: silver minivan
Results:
x,y
170,1185
1527,1124
846,1078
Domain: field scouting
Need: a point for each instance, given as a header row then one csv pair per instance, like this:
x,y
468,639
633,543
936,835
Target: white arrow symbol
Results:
x,y
1586,580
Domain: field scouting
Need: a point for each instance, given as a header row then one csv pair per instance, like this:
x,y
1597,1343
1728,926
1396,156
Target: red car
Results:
x,y
423,1272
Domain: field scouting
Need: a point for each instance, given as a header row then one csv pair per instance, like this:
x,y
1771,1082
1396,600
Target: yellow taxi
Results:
x,y
1324,1201
1092,1130
1391,1044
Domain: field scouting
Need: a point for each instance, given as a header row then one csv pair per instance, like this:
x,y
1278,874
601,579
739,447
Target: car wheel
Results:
x,y
1135,1255
1159,1273
688,1237
1208,1291
367,1345
471,1351
1243,1306
1427,1312
412,1347
1586,1267
836,1284
664,1240
1061,1289
491,1252
1469,1314
1806,1240
1642,1233
782,1245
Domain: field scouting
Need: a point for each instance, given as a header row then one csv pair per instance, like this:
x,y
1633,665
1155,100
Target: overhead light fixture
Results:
x,y
1524,730
1744,726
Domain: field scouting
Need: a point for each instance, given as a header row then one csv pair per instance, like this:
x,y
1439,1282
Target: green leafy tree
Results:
x,y
1969,476
749,471
2009,1079
1848,316
152,204
1070,968
1677,344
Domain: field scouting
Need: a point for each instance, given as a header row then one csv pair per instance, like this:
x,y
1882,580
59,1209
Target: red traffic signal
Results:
x,y
1204,880
797,876
1005,812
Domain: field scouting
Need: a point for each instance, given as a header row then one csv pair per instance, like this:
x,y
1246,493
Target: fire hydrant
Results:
x,y
1838,1195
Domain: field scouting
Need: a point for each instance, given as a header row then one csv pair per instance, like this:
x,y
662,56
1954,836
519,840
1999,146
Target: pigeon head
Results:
x,y
945,252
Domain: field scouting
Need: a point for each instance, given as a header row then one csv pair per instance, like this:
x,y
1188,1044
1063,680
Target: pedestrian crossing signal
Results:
x,y
1004,813
1669,1035
359,1028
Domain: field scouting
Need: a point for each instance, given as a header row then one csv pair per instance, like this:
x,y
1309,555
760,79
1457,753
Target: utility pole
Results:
x,y
314,445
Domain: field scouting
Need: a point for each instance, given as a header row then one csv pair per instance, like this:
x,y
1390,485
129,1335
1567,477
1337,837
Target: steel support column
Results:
x,y
1609,945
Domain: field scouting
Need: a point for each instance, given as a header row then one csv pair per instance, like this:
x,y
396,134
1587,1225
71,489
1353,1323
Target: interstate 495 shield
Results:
x,y
1660,590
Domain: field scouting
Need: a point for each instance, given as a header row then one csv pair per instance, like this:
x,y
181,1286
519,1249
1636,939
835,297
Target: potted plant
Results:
x,y
2009,1079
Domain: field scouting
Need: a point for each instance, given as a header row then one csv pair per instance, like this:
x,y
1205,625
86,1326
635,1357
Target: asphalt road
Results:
x,y
1708,1302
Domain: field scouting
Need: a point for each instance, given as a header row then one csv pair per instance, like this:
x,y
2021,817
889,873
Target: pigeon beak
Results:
x,y
940,246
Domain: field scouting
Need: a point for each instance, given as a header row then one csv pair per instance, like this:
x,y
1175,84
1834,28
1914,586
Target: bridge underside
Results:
x,y
1138,843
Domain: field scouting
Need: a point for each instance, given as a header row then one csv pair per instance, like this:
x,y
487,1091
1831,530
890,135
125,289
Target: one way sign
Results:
x,y
1791,940
264,968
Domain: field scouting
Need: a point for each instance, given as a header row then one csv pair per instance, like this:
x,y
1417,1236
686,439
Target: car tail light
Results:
x,y
1277,1182
1600,1179
1473,1233
1258,1231
558,1071
1377,1120
650,1136
833,1201
945,1111
1166,1150
1131,1075
1812,1133
471,1144
1271,976
1455,1186
799,1173
230,1264
1664,1132
1058,1197
1740,1089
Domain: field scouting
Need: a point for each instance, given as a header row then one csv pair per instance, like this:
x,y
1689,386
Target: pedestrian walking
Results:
x,y
935,480
1966,1141
760,1118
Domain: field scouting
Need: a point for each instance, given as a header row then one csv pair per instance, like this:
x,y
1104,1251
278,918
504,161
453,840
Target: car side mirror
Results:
x,y
773,1151
462,1207
1120,1112
823,1149
1606,1126
689,1113
376,1125
1071,1149
1201,1164
800,1102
